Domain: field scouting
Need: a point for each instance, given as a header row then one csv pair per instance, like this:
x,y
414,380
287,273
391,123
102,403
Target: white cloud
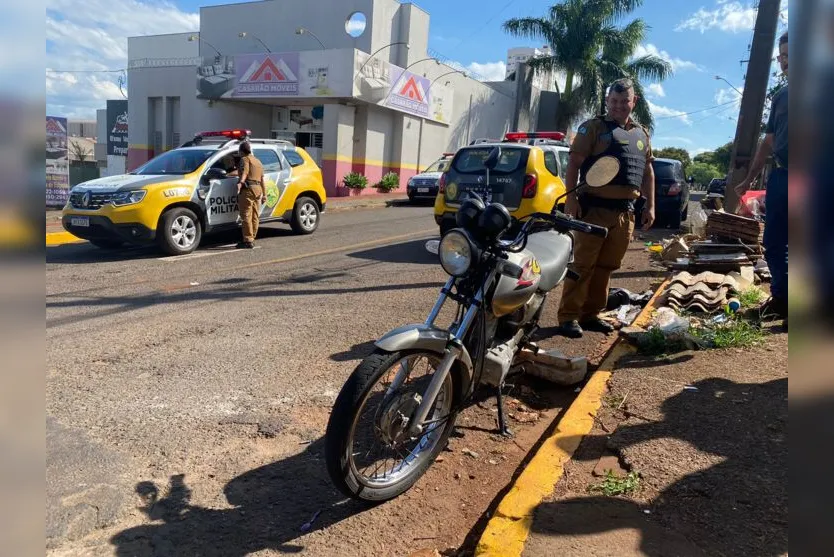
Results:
x,y
656,90
727,95
731,17
671,140
659,111
490,71
93,36
677,63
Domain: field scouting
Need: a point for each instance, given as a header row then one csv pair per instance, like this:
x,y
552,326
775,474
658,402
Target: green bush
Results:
x,y
355,181
389,182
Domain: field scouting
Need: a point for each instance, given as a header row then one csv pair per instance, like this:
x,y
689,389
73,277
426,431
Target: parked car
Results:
x,y
425,184
529,178
181,195
671,192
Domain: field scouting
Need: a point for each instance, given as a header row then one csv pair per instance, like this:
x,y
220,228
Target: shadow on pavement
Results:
x,y
407,252
270,505
120,304
736,507
85,253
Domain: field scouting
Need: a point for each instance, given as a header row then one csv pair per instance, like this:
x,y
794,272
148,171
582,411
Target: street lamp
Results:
x,y
445,74
719,78
303,30
193,38
378,51
244,34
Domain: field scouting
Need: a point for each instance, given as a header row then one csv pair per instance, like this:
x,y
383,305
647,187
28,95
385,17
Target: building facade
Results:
x,y
520,55
358,92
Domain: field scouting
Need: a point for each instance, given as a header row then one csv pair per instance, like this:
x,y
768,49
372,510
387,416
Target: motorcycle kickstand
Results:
x,y
503,430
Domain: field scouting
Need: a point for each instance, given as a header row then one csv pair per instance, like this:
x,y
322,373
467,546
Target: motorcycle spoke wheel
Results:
x,y
381,454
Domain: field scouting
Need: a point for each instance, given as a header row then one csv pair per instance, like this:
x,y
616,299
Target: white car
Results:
x,y
426,184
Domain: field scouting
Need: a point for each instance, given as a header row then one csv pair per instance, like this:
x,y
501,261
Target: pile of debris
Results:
x,y
707,292
730,244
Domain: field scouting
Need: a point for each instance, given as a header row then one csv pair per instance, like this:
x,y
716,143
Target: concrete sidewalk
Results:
x,y
706,434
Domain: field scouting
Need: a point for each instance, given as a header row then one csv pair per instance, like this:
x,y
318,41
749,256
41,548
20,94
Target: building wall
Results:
x,y
356,136
157,92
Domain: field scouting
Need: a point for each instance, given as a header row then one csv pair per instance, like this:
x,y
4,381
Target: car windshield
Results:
x,y
438,166
664,171
471,161
178,161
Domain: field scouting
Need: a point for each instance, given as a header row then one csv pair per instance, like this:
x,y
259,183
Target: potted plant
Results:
x,y
388,183
355,182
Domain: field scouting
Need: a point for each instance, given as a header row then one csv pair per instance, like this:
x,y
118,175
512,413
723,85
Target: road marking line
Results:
x,y
507,531
217,250
60,238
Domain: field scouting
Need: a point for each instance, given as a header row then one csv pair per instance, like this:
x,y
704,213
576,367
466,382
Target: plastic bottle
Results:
x,y
734,304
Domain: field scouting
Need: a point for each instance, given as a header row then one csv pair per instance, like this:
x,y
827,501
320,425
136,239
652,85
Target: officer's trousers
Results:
x,y
249,202
594,260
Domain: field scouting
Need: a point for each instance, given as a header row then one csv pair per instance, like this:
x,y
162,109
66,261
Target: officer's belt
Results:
x,y
250,183
603,203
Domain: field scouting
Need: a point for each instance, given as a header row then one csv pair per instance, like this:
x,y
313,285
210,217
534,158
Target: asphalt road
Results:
x,y
187,396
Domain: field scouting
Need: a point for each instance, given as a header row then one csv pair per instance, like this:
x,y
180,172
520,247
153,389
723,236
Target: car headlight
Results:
x,y
128,197
457,253
410,182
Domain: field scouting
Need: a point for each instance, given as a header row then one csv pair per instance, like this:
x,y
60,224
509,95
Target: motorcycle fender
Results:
x,y
423,337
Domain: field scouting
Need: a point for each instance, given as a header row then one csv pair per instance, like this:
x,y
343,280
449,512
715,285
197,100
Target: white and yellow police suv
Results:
x,y
179,196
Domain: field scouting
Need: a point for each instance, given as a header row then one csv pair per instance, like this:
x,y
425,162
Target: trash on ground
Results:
x,y
470,452
669,322
554,366
621,296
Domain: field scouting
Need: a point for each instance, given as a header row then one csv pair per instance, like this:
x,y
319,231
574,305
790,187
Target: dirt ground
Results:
x,y
707,434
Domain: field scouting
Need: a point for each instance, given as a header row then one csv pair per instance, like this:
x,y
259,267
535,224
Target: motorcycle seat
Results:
x,y
553,251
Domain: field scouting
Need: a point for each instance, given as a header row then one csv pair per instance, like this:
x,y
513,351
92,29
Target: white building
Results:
x,y
359,97
520,55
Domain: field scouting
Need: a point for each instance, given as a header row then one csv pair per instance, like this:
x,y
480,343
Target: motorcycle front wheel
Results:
x,y
369,455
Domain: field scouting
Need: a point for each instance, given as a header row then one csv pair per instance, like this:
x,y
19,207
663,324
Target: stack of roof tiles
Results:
x,y
706,292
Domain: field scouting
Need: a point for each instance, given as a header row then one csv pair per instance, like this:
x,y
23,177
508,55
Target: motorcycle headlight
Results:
x,y
457,253
128,197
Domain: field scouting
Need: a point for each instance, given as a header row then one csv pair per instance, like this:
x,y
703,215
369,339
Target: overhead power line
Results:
x,y
697,111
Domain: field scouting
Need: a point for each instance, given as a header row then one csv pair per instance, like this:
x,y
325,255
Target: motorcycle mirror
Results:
x,y
492,159
433,247
602,172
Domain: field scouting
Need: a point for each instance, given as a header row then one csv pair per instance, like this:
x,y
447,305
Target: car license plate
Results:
x,y
422,190
80,221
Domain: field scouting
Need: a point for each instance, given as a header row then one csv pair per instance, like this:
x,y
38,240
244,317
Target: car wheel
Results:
x,y
179,231
107,244
685,213
305,216
674,221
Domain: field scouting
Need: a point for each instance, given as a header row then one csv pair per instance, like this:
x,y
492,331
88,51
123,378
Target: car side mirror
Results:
x,y
492,159
215,174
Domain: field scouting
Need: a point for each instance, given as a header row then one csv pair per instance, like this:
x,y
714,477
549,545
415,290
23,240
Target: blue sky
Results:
x,y
702,39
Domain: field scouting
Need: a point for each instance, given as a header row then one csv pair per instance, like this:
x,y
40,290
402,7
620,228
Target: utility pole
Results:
x,y
749,125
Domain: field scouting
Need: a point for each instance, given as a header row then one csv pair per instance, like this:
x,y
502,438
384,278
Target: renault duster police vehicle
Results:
x,y
181,195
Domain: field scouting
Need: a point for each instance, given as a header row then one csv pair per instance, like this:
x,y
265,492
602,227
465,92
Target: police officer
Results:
x,y
611,206
250,194
776,201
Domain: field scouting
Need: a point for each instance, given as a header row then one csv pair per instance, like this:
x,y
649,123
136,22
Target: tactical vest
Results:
x,y
629,147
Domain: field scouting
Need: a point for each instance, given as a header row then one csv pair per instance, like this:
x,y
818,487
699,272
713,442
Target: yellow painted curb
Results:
x,y
60,238
507,531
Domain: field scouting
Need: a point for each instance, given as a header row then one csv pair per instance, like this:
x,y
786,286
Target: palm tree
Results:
x,y
592,52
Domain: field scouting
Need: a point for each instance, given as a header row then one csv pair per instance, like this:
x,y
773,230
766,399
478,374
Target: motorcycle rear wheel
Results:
x,y
350,431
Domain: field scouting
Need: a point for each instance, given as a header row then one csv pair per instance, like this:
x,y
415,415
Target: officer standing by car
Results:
x,y
250,194
611,206
776,198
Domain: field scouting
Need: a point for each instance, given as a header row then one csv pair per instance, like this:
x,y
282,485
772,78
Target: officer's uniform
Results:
x,y
249,200
611,206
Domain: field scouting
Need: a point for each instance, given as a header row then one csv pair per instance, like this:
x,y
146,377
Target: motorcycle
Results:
x,y
397,409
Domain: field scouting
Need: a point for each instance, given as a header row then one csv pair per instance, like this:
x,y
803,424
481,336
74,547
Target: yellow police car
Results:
x,y
529,177
181,195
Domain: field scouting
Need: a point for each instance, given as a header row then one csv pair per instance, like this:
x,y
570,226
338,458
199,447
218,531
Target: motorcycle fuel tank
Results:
x,y
511,293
